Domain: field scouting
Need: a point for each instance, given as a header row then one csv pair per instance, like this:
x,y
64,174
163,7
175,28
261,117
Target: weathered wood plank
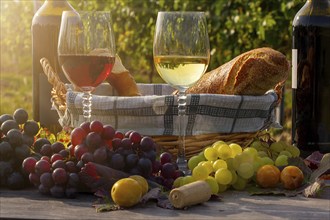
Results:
x,y
30,204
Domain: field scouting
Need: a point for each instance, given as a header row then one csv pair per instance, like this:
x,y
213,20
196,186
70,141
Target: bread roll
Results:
x,y
122,80
251,73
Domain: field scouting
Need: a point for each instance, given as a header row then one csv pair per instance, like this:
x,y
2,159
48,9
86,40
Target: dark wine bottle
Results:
x,y
45,30
311,77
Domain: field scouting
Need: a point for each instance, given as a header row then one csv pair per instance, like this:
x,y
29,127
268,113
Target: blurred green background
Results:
x,y
234,26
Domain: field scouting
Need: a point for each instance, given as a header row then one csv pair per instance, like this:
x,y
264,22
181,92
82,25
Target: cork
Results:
x,y
190,194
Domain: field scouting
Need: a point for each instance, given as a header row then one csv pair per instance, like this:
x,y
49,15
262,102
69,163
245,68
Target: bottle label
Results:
x,y
294,68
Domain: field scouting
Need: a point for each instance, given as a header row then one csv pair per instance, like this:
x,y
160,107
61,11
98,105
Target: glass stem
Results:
x,y
87,105
181,160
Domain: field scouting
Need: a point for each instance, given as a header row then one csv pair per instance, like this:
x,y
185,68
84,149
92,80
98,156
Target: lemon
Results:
x,y
142,181
126,192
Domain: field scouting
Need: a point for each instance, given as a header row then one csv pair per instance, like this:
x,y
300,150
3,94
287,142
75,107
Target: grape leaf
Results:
x,y
107,207
319,171
256,190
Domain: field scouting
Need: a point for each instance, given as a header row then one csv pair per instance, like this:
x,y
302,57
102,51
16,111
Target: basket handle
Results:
x,y
59,90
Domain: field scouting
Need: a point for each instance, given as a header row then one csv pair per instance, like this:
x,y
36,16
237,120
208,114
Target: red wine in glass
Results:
x,y
86,70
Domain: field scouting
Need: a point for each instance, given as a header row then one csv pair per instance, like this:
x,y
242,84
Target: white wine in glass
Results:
x,y
181,55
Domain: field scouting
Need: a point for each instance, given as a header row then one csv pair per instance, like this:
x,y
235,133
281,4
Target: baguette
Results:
x,y
251,73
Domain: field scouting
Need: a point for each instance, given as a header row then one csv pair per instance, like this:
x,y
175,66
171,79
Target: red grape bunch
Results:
x,y
129,152
55,175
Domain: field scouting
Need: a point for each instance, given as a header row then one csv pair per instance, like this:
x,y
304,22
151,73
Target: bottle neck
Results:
x,y
319,4
54,7
51,8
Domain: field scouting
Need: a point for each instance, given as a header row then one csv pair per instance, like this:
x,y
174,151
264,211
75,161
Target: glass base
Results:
x,y
183,165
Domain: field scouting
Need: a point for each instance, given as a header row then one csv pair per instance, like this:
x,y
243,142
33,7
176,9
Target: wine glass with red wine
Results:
x,y
86,51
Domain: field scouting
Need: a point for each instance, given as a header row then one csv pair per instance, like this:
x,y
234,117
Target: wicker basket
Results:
x,y
194,143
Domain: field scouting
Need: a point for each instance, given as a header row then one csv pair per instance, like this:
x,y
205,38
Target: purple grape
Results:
x,y
39,143
56,157
100,155
85,126
46,150
15,137
168,170
6,151
71,167
178,173
117,162
108,132
96,126
116,143
34,179
46,180
131,160
151,155
128,133
60,176
93,141
135,137
126,143
20,116
73,180
65,153
58,164
8,125
22,152
165,157
27,139
145,166
31,128
5,117
146,143
168,183
119,135
43,189
87,157
57,147
79,150
156,166
127,152
80,164
57,191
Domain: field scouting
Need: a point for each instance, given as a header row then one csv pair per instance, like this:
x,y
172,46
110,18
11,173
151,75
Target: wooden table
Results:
x,y
29,204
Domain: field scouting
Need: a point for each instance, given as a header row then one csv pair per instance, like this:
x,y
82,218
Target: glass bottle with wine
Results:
x,y
181,55
45,30
86,51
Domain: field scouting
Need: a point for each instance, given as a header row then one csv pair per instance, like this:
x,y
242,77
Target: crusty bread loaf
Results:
x,y
251,73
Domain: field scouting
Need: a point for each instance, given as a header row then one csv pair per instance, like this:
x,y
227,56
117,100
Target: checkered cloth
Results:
x,y
155,113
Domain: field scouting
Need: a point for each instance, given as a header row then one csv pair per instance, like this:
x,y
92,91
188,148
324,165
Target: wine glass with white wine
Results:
x,y
181,54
